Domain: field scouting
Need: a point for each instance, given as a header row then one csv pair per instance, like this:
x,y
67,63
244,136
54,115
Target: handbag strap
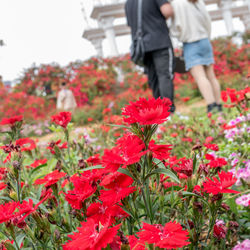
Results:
x,y
139,19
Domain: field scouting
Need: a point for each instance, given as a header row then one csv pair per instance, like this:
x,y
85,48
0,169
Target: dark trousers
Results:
x,y
159,68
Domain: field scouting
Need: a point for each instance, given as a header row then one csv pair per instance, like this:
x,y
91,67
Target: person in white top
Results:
x,y
65,99
191,24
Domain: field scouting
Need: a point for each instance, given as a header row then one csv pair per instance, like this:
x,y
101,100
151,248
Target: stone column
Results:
x,y
107,25
227,15
246,21
98,47
248,3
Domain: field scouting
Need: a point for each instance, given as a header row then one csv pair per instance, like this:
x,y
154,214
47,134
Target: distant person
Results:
x,y
191,24
1,82
65,99
158,47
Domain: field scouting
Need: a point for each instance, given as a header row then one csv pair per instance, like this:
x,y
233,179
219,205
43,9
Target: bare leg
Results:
x,y
203,83
214,83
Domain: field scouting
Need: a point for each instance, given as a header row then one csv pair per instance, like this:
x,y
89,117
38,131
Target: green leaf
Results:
x,y
128,212
158,162
5,198
91,168
19,239
37,168
186,193
194,163
118,126
166,172
232,205
126,172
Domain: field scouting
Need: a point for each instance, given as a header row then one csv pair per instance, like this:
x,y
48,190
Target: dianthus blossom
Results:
x,y
185,167
2,186
37,163
91,236
147,112
170,236
244,245
11,121
160,152
213,147
243,200
220,230
26,144
62,119
215,162
51,178
135,244
215,186
52,145
118,184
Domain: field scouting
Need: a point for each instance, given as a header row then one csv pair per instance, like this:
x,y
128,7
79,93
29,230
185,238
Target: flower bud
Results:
x,y
225,206
16,165
82,164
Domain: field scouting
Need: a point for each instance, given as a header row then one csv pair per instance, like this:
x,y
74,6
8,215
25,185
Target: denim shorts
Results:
x,y
198,53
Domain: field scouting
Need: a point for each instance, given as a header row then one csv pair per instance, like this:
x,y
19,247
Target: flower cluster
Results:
x,y
136,194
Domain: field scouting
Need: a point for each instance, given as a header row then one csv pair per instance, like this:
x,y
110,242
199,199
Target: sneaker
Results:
x,y
211,107
219,107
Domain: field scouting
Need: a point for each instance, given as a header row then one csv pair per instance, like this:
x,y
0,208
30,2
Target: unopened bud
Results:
x,y
82,164
225,206
16,165
57,235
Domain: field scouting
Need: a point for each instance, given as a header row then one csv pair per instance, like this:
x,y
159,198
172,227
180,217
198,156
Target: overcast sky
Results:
x,y
45,31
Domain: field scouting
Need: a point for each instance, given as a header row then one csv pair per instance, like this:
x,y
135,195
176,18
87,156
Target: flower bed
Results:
x,y
101,83
160,185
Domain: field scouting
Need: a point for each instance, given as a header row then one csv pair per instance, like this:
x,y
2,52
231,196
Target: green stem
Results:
x,y
19,186
146,204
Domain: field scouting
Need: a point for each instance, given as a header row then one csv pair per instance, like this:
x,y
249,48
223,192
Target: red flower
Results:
x,y
147,112
84,187
24,141
62,119
91,236
174,135
224,96
17,210
209,139
51,178
2,186
131,147
185,168
216,186
220,230
116,194
101,212
118,184
38,163
111,159
171,236
160,152
11,121
57,143
213,147
94,160
187,139
135,244
215,162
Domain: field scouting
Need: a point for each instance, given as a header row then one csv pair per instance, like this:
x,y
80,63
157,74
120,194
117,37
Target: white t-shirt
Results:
x,y
191,21
66,100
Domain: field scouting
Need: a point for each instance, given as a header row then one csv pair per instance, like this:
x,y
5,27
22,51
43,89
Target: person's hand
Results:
x,y
167,10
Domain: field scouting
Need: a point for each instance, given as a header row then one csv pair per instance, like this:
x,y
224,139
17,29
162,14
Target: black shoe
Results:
x,y
172,108
211,107
219,107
